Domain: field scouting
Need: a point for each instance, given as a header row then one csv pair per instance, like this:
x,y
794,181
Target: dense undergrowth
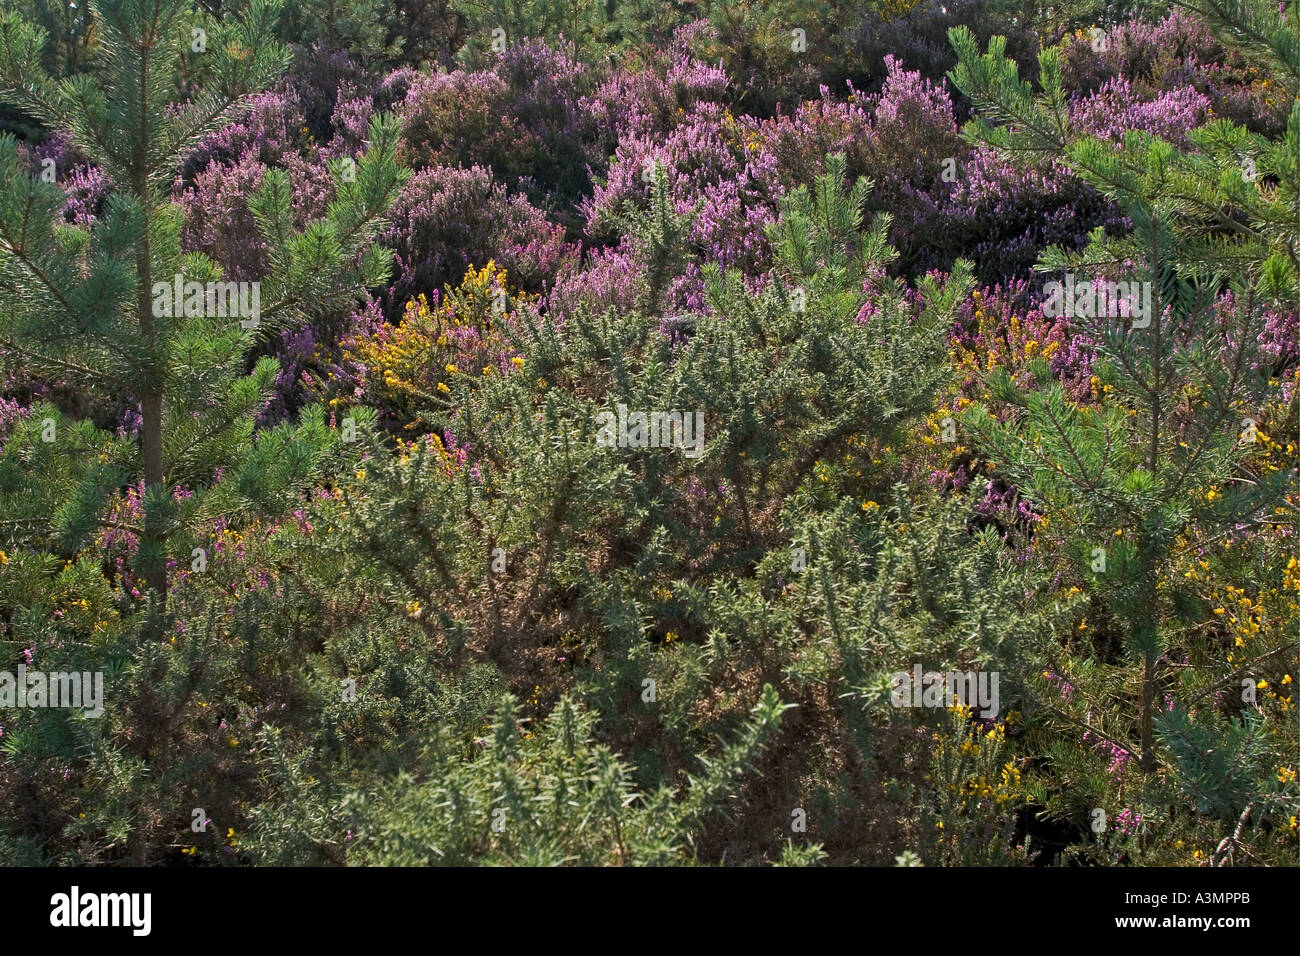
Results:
x,y
391,574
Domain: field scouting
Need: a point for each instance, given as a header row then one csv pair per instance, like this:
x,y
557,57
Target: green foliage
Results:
x,y
588,23
555,797
646,579
83,304
660,234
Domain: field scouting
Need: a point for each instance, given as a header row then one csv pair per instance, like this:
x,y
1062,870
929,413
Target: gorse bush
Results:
x,y
649,434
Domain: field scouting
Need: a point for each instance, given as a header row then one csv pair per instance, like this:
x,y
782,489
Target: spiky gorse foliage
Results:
x,y
780,388
615,569
554,796
977,791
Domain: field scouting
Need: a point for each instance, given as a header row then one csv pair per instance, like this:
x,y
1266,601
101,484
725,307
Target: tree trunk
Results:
x,y
1148,760
151,449
153,540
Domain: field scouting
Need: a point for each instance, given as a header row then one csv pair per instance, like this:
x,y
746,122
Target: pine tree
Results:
x,y
1168,462
92,306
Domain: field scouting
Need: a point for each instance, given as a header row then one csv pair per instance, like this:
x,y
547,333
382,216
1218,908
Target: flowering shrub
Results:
x,y
606,279
1000,328
433,350
1116,109
320,74
448,219
268,129
354,108
648,98
708,172
1175,52
799,143
1002,214
520,120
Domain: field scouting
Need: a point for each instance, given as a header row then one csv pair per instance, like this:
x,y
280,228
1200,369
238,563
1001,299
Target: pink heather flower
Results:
x,y
1128,821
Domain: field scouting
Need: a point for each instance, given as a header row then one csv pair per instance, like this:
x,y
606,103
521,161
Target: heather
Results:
x,y
615,414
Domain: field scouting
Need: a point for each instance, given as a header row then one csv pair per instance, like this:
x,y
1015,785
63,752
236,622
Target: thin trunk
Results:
x,y
151,446
1151,596
1148,761
151,402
